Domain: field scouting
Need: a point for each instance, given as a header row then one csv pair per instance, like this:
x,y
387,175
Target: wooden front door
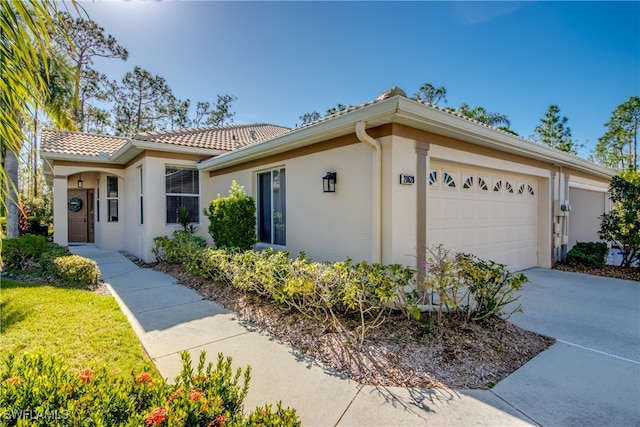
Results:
x,y
77,213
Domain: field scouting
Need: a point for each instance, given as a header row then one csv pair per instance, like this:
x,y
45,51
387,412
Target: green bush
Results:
x,y
177,248
588,254
75,270
467,286
621,226
233,220
331,293
23,253
38,390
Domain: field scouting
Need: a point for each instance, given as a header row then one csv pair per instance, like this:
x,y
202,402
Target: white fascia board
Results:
x,y
374,114
74,157
134,147
445,123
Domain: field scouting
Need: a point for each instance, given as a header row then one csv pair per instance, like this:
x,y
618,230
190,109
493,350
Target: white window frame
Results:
x,y
140,195
195,215
111,198
273,235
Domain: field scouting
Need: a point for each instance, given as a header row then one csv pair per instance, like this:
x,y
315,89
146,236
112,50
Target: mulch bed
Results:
x,y
616,272
402,352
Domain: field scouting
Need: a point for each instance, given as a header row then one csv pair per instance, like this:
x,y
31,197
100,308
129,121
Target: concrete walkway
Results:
x,y
569,384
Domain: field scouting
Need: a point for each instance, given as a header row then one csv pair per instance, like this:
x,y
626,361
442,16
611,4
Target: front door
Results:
x,y
77,211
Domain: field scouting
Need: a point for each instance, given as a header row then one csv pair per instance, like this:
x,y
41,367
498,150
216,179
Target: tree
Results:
x,y
88,41
309,118
553,132
622,224
26,60
143,102
334,110
203,108
618,147
430,94
481,115
177,112
222,114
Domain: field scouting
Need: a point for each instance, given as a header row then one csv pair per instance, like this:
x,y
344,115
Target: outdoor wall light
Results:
x,y
80,182
329,182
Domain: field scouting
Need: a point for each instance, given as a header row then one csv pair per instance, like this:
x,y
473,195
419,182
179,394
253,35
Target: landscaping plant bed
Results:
x,y
615,272
402,352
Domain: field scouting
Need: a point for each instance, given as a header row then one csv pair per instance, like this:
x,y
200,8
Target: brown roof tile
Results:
x,y
227,138
78,143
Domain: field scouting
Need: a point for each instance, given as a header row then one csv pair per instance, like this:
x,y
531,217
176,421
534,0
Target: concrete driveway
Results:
x,y
591,376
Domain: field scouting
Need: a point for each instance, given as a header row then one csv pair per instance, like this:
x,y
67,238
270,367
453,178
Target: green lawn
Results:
x,y
85,328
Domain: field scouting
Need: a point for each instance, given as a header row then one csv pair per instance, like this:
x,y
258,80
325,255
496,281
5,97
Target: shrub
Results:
x,y
40,391
75,270
233,219
177,248
492,288
23,252
622,225
469,287
588,254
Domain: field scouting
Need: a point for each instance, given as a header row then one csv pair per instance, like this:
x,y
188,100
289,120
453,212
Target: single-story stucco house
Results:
x,y
379,182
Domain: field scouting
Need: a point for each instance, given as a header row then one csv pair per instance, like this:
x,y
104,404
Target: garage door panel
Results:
x,y
471,217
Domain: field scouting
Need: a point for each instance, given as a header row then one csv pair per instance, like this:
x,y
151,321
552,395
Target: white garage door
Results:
x,y
487,213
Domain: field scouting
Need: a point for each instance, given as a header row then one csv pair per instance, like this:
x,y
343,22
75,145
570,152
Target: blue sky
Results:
x,y
284,59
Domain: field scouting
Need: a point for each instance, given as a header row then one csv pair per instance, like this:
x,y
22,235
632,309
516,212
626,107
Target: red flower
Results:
x,y
196,395
143,377
13,380
85,375
175,394
220,420
263,413
156,417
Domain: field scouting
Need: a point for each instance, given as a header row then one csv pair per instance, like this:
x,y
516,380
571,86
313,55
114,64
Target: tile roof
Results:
x,y
78,143
396,91
227,138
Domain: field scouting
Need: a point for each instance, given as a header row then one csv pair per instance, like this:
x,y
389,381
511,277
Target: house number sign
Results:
x,y
75,204
407,179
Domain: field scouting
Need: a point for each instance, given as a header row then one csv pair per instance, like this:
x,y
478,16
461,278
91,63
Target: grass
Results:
x,y
83,327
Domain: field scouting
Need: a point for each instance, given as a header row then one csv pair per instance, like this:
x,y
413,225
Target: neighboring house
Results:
x,y
406,176
130,189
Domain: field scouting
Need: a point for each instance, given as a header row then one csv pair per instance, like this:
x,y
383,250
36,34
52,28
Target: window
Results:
x,y
98,200
272,217
141,195
112,199
182,189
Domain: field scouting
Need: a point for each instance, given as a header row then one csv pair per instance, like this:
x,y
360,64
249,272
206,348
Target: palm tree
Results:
x,y
481,115
25,86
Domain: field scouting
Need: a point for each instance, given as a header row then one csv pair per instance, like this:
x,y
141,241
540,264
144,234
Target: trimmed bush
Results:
x,y
38,390
233,219
74,270
588,254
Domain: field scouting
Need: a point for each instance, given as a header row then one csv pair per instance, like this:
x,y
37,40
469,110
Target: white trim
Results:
x,y
411,113
581,186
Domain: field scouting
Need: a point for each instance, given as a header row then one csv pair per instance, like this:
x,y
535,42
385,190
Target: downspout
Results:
x,y
377,190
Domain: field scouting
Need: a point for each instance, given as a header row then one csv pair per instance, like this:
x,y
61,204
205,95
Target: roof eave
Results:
x,y
51,155
375,114
447,124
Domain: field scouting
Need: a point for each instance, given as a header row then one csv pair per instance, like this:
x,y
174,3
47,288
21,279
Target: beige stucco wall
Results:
x,y
586,208
326,226
399,201
139,238
65,177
